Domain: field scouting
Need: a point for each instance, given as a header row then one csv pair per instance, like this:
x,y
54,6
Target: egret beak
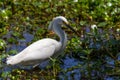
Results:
x,y
72,29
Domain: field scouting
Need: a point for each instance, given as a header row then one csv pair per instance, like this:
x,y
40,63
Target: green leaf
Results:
x,y
102,24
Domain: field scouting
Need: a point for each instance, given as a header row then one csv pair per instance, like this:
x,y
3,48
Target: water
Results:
x,y
68,60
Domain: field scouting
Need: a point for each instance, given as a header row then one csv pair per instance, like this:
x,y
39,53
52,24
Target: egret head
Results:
x,y
58,20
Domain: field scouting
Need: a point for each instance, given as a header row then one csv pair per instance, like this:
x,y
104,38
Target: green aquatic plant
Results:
x,y
2,45
98,49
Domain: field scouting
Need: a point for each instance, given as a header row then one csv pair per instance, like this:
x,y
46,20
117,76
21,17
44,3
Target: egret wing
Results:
x,y
37,51
40,54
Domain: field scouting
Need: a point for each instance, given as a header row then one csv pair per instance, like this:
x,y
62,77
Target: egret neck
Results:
x,y
63,37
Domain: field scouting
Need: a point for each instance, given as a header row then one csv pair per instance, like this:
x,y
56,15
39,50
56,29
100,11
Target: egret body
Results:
x,y
43,49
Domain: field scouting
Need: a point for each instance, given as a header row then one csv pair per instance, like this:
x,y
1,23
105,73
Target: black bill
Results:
x,y
72,29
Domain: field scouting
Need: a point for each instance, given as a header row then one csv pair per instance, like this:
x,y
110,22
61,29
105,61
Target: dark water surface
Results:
x,y
68,60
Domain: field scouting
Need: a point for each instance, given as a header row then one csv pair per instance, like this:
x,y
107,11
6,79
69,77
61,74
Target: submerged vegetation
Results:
x,y
95,53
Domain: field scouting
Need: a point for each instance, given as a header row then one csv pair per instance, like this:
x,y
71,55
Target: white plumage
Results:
x,y
43,49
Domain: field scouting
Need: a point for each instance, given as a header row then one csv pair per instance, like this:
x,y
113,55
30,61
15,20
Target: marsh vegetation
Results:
x,y
93,55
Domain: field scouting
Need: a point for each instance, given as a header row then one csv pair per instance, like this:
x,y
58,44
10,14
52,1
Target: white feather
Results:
x,y
43,49
39,50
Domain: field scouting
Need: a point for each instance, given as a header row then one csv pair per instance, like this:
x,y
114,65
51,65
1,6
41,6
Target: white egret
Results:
x,y
43,49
